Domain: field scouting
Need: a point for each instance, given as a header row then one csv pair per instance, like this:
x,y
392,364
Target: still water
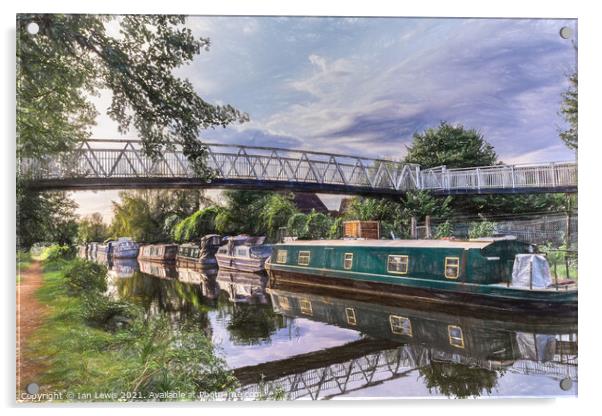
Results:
x,y
329,346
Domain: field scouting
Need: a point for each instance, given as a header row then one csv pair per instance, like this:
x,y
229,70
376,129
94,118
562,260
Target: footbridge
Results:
x,y
121,164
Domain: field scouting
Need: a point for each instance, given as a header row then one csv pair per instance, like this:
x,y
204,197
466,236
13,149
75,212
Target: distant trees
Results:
x,y
45,217
92,228
450,145
569,110
144,215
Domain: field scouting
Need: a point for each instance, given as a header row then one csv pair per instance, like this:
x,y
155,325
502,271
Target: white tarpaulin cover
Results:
x,y
521,273
536,347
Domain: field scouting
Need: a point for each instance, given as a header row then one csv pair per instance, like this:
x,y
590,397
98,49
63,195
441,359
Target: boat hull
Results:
x,y
239,263
208,262
125,254
466,296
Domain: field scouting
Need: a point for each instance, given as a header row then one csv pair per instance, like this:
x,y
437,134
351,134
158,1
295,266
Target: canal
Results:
x,y
318,345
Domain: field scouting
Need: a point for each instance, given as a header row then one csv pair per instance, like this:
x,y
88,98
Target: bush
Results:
x,y
111,314
444,230
55,252
297,225
481,229
85,277
318,225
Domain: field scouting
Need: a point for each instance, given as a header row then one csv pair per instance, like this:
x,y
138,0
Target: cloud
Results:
x,y
502,77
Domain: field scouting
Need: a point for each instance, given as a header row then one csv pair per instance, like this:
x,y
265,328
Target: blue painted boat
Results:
x,y
244,253
124,248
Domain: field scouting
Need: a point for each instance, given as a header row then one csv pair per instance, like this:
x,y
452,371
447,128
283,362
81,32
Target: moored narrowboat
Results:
x,y
82,251
495,273
158,252
105,249
125,248
244,253
201,254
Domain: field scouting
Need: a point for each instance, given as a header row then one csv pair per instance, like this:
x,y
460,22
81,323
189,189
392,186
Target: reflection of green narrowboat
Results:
x,y
548,347
468,273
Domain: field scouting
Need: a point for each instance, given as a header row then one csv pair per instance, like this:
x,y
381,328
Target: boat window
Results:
x,y
456,337
303,259
281,257
348,261
241,251
452,267
305,306
283,302
262,251
350,313
400,325
398,264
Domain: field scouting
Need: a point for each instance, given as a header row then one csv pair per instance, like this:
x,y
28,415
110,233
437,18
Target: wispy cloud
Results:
x,y
365,85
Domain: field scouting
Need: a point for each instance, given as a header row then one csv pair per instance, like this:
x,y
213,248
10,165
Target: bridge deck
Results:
x,y
121,164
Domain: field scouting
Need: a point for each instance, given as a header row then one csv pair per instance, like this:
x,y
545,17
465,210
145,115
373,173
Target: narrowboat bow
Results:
x,y
244,253
202,254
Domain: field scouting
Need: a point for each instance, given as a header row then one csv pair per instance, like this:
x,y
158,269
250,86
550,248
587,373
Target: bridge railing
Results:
x,y
544,175
124,159
109,159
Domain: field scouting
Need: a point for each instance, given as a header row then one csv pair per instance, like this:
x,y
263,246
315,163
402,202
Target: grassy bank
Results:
x,y
23,262
98,349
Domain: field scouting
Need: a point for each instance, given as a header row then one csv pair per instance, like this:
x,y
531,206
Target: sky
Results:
x,y
364,86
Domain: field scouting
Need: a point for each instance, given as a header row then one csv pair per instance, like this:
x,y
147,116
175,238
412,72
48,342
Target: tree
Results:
x,y
45,217
142,214
450,145
276,212
569,110
92,228
297,225
75,56
318,225
197,225
458,380
243,213
419,204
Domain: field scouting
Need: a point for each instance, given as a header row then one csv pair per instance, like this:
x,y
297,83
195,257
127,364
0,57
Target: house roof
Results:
x,y
305,202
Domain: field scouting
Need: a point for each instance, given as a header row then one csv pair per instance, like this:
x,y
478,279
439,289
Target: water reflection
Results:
x,y
323,345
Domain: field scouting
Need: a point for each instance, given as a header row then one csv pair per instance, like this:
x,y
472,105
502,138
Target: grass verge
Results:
x,y
94,348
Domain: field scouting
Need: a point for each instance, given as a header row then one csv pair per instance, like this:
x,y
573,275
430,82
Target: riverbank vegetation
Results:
x,y
92,343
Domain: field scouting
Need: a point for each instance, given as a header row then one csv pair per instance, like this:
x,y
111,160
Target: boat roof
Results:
x,y
394,243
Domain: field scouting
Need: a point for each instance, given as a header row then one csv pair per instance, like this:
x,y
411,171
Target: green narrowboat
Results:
x,y
485,273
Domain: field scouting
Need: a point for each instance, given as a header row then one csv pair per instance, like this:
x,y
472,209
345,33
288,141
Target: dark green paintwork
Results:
x,y
478,274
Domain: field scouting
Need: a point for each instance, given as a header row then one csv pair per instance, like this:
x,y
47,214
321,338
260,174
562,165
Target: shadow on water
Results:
x,y
297,343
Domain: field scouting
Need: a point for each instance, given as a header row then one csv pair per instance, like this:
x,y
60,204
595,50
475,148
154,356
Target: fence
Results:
x,y
548,229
